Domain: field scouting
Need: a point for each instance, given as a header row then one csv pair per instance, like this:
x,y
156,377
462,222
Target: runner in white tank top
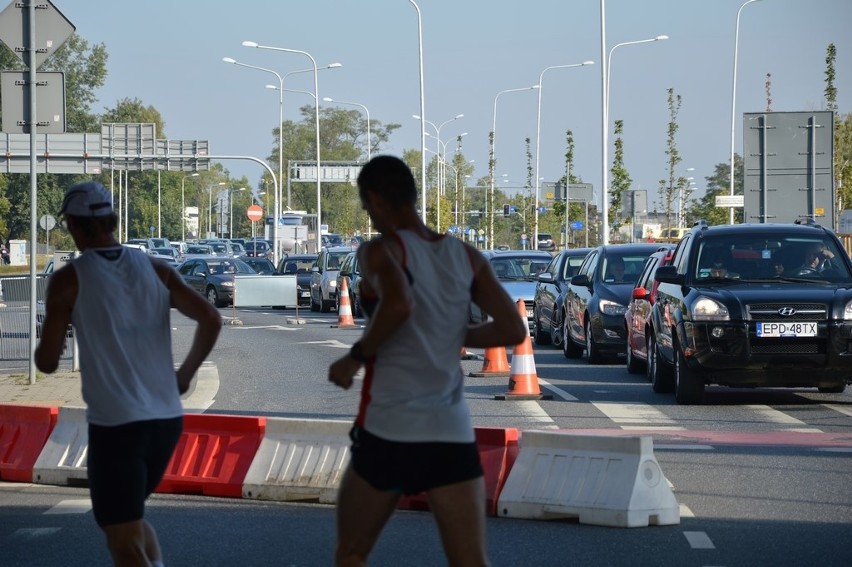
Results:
x,y
413,431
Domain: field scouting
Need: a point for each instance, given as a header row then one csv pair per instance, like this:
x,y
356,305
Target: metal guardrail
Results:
x,y
15,332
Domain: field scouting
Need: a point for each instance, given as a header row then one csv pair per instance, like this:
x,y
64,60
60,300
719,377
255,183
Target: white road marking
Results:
x,y
837,408
699,540
273,327
531,410
772,415
558,391
683,447
32,533
635,414
71,507
332,343
206,388
835,449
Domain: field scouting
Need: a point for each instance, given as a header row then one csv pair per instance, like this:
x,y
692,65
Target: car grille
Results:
x,y
803,312
787,346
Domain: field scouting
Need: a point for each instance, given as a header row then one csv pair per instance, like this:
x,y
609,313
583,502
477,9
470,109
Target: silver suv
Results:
x,y
324,277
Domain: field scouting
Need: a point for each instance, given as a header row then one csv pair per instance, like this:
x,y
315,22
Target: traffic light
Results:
x,y
506,209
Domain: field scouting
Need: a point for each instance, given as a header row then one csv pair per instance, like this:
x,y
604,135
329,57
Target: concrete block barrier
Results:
x,y
599,480
299,460
498,449
24,430
62,461
213,455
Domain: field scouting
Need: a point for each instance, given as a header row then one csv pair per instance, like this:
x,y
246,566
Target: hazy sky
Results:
x,y
168,54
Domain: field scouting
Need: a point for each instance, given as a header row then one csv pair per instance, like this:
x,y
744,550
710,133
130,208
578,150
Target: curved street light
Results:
x,y
493,161
538,143
256,45
734,101
367,111
422,114
438,137
605,136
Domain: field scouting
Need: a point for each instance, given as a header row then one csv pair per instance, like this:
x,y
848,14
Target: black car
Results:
x,y
548,304
213,277
753,305
300,266
258,249
597,298
262,266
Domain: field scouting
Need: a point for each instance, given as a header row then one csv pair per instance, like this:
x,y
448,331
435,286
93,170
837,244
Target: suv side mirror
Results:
x,y
581,280
668,274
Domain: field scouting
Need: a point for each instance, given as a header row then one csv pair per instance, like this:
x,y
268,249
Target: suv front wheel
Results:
x,y
689,387
658,373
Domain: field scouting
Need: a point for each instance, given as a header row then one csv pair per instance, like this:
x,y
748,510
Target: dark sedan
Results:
x,y
548,306
262,266
213,277
299,265
597,299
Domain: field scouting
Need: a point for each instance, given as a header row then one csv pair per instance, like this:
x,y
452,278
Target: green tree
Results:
x,y
842,137
134,110
717,184
674,185
620,179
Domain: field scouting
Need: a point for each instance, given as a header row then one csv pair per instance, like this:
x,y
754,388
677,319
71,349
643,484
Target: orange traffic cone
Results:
x,y
496,363
523,381
344,313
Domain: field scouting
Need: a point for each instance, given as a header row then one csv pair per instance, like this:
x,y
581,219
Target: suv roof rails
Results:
x,y
810,221
700,222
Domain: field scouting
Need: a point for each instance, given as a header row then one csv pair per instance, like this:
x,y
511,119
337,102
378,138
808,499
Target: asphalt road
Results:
x,y
762,476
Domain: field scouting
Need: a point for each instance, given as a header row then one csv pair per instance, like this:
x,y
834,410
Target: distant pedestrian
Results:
x,y
413,432
129,383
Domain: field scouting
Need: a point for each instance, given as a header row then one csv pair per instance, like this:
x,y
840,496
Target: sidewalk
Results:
x,y
62,388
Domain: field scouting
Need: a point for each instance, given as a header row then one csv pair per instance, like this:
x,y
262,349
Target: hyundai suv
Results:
x,y
747,306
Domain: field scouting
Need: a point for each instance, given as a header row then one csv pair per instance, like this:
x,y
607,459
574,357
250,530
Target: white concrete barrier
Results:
x,y
600,480
299,459
62,461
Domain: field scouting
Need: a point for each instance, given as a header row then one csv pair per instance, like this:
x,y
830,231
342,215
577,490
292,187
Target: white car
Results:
x,y
324,277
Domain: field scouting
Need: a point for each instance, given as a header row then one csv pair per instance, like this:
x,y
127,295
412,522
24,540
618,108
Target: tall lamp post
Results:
x,y
281,79
210,207
367,111
231,211
438,136
605,72
492,163
183,206
422,114
317,127
734,101
538,139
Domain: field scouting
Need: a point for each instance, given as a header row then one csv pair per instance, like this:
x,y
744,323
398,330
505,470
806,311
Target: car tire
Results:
x,y
659,374
314,306
212,296
539,336
326,306
569,348
592,350
689,387
556,334
634,365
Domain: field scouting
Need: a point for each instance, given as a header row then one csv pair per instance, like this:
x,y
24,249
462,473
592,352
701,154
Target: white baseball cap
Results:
x,y
88,199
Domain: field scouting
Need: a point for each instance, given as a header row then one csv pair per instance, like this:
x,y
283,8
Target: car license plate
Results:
x,y
778,329
529,313
306,294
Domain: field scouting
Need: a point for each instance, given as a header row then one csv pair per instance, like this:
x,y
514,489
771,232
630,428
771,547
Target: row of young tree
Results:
x,y
158,199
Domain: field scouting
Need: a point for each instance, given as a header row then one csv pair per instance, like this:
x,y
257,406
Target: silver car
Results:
x,y
324,277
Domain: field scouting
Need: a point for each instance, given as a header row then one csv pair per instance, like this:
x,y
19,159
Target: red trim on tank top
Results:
x,y
365,393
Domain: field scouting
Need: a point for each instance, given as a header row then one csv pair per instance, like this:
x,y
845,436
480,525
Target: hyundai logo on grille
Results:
x,y
786,311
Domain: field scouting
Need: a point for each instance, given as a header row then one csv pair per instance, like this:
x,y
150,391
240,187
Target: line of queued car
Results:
x,y
749,305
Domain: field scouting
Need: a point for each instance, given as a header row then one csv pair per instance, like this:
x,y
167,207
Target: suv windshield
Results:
x,y
769,256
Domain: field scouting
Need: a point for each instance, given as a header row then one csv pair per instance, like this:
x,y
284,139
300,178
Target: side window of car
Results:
x,y
681,254
591,265
645,276
321,261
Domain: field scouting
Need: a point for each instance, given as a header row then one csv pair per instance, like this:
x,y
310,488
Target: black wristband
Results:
x,y
356,353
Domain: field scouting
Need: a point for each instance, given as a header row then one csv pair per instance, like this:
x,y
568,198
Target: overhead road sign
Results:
x,y
50,111
53,29
730,200
330,171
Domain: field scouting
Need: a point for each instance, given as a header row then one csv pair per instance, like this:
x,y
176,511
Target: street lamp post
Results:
x,y
183,206
438,137
367,111
317,127
210,207
231,212
734,101
538,137
277,196
492,163
422,114
605,139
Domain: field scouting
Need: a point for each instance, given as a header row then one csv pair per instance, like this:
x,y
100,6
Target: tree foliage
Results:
x,y
620,179
673,185
717,184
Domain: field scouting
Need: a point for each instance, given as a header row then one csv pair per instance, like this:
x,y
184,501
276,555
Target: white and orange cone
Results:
x,y
344,313
496,363
523,380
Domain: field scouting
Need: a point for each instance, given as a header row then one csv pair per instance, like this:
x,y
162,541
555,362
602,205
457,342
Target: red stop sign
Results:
x,y
254,213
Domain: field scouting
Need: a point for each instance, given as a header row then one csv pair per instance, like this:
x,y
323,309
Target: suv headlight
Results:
x,y
706,309
332,283
612,308
847,311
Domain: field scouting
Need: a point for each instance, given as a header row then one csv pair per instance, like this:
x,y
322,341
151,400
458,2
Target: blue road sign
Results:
x,y
577,225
